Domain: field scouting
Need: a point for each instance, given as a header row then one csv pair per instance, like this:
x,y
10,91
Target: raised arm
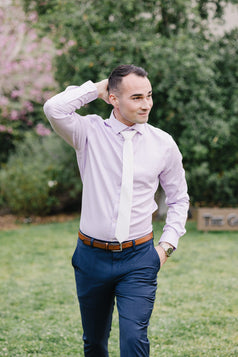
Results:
x,y
61,110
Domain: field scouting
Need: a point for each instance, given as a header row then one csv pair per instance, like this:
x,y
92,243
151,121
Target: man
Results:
x,y
115,256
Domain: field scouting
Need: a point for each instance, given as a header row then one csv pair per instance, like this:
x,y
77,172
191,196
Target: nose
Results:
x,y
146,104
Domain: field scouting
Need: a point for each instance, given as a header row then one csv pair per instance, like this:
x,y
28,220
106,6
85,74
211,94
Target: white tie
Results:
x,y
124,212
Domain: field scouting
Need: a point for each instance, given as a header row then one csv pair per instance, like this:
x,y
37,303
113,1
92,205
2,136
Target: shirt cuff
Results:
x,y
87,92
170,237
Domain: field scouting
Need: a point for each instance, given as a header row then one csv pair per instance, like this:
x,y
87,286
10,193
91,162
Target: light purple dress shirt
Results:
x,y
99,146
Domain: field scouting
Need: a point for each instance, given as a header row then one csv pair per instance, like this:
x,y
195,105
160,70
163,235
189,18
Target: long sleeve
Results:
x,y
173,181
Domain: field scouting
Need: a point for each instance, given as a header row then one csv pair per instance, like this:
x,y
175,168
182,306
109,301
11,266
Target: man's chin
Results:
x,y
142,119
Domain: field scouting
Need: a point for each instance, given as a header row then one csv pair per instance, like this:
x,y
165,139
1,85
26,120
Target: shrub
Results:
x,y
41,177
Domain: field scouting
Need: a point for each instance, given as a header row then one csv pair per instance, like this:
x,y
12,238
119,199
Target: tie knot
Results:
x,y
128,134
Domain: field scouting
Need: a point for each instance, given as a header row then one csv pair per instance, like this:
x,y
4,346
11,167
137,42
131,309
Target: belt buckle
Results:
x,y
117,250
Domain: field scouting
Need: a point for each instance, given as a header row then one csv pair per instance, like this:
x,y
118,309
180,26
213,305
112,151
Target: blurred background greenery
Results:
x,y
47,45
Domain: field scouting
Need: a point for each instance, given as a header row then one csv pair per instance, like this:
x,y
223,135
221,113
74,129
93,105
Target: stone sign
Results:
x,y
217,219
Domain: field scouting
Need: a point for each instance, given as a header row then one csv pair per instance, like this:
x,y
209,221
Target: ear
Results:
x,y
113,100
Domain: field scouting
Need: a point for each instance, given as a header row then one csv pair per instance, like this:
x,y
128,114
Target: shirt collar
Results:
x,y
118,126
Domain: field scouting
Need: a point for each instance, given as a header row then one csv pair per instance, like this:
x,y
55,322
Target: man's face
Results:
x,y
133,102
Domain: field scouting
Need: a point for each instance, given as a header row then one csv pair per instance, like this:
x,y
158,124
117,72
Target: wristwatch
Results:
x,y
167,248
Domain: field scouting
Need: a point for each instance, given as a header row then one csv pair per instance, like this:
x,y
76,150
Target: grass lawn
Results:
x,y
196,309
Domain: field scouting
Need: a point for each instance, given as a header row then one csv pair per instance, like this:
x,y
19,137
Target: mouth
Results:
x,y
144,114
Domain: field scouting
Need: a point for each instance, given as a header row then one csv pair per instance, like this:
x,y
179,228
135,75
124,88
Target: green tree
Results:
x,y
193,74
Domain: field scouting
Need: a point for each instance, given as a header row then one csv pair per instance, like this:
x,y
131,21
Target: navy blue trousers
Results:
x,y
129,276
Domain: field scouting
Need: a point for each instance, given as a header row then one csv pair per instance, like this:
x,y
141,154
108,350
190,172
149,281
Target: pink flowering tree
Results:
x,y
26,76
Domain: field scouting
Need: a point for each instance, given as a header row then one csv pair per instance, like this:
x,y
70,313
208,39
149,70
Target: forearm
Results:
x,y
175,187
60,110
64,104
175,222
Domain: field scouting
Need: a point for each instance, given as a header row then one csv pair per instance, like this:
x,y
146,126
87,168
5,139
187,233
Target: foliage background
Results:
x,y
26,76
192,71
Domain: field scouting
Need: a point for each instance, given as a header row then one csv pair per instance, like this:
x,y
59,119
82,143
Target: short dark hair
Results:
x,y
121,71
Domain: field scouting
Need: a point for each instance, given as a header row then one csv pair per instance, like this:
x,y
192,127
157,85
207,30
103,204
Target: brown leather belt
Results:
x,y
113,247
